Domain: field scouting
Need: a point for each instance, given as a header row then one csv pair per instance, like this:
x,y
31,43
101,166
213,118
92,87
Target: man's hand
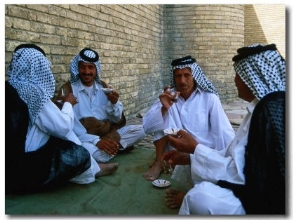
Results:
x,y
183,142
70,98
109,146
175,157
113,97
166,98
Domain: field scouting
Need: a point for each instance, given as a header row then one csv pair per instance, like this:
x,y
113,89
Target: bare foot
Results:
x,y
107,169
173,198
152,163
154,171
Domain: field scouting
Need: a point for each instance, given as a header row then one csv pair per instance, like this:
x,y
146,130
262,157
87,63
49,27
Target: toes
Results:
x,y
148,177
171,204
171,191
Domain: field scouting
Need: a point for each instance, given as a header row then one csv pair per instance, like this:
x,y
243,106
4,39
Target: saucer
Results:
x,y
160,183
107,90
171,131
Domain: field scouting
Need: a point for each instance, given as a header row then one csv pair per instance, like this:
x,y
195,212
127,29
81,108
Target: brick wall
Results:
x,y
136,43
127,38
265,24
211,34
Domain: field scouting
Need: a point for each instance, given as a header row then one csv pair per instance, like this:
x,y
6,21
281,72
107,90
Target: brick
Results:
x,y
136,43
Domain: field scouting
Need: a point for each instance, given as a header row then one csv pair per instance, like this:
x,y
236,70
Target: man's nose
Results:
x,y
84,70
181,79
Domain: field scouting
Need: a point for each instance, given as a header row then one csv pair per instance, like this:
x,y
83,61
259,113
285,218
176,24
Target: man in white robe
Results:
x,y
197,110
49,137
97,107
260,71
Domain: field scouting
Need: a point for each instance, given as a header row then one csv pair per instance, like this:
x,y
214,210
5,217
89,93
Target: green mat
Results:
x,y
125,192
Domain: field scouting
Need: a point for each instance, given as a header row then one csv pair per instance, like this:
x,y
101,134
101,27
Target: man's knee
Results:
x,y
209,199
141,132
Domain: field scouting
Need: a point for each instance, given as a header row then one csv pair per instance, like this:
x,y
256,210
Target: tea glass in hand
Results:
x,y
174,93
108,90
167,167
63,94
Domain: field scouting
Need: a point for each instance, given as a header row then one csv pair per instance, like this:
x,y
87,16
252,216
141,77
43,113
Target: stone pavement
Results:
x,y
124,193
235,112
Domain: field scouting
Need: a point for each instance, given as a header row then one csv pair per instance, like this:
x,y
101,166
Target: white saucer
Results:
x,y
107,90
171,131
160,183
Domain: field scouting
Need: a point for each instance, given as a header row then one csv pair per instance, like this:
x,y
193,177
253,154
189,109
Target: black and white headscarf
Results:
x,y
86,55
261,68
200,78
30,74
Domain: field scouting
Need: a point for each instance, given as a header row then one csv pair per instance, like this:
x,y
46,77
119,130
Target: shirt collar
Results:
x,y
193,93
252,105
82,87
197,90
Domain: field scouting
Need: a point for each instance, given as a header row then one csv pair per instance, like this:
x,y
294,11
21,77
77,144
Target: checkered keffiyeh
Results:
x,y
86,55
261,68
30,74
202,81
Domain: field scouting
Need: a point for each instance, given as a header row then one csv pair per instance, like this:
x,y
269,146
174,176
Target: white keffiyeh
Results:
x,y
263,72
202,81
30,74
86,55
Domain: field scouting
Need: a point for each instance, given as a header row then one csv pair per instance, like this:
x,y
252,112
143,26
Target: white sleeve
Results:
x,y
221,130
213,165
153,119
56,122
114,111
227,164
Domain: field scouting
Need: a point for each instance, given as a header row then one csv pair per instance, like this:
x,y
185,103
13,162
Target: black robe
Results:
x,y
52,165
264,191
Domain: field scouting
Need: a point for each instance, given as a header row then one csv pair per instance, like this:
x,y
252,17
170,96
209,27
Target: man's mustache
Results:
x,y
182,85
87,74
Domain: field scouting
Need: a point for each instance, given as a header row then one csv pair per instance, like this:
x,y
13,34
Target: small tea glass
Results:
x,y
174,93
167,168
63,93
